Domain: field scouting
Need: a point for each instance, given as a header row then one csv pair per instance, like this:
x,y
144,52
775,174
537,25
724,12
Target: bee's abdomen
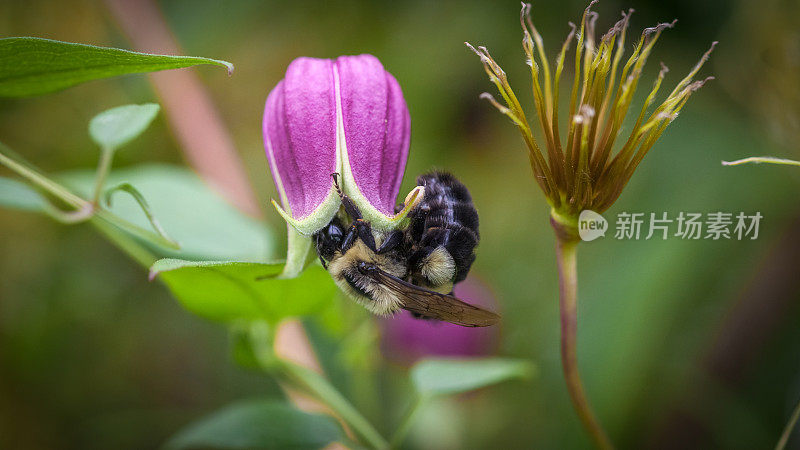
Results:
x,y
446,217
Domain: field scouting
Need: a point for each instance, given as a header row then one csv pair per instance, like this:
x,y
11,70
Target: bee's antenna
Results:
x,y
350,208
335,176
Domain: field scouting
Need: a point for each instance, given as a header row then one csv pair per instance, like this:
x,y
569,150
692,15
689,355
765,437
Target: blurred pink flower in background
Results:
x,y
406,339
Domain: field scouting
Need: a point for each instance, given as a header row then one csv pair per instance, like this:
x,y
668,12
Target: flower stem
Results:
x,y
789,427
103,167
84,210
408,420
566,253
39,180
262,339
315,384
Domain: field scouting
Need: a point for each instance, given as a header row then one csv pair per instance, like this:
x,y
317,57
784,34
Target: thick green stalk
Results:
x,y
322,390
408,420
262,339
566,253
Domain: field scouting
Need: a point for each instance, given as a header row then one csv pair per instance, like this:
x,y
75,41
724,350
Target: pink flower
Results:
x,y
345,115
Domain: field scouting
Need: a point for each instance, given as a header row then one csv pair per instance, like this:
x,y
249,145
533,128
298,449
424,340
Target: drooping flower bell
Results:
x,y
345,116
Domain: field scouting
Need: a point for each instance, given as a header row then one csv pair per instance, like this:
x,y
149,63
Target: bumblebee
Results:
x,y
413,268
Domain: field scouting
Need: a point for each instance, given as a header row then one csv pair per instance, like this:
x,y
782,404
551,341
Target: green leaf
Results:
x,y
34,66
228,291
200,220
116,127
452,376
17,195
259,424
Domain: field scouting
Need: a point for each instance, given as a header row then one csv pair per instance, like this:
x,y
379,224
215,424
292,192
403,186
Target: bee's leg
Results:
x,y
365,234
392,240
362,230
322,261
349,207
349,238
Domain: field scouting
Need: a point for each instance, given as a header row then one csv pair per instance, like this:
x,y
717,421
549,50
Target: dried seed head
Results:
x,y
587,168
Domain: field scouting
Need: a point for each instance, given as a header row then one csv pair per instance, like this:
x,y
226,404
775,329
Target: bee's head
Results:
x,y
329,239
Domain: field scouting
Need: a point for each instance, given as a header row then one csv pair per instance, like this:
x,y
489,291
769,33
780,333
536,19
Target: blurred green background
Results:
x,y
682,344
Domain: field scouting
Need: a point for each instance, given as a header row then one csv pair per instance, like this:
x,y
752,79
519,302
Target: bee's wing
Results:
x,y
434,305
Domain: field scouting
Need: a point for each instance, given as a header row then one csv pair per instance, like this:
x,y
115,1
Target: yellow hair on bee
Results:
x,y
439,269
373,296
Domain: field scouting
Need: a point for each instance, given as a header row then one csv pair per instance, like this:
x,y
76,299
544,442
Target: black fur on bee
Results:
x,y
415,267
445,218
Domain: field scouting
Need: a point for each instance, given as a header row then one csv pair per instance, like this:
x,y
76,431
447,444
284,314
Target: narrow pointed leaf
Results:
x,y
34,66
762,159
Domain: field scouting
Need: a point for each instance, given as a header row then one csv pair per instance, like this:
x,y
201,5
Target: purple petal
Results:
x,y
300,134
377,128
406,339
